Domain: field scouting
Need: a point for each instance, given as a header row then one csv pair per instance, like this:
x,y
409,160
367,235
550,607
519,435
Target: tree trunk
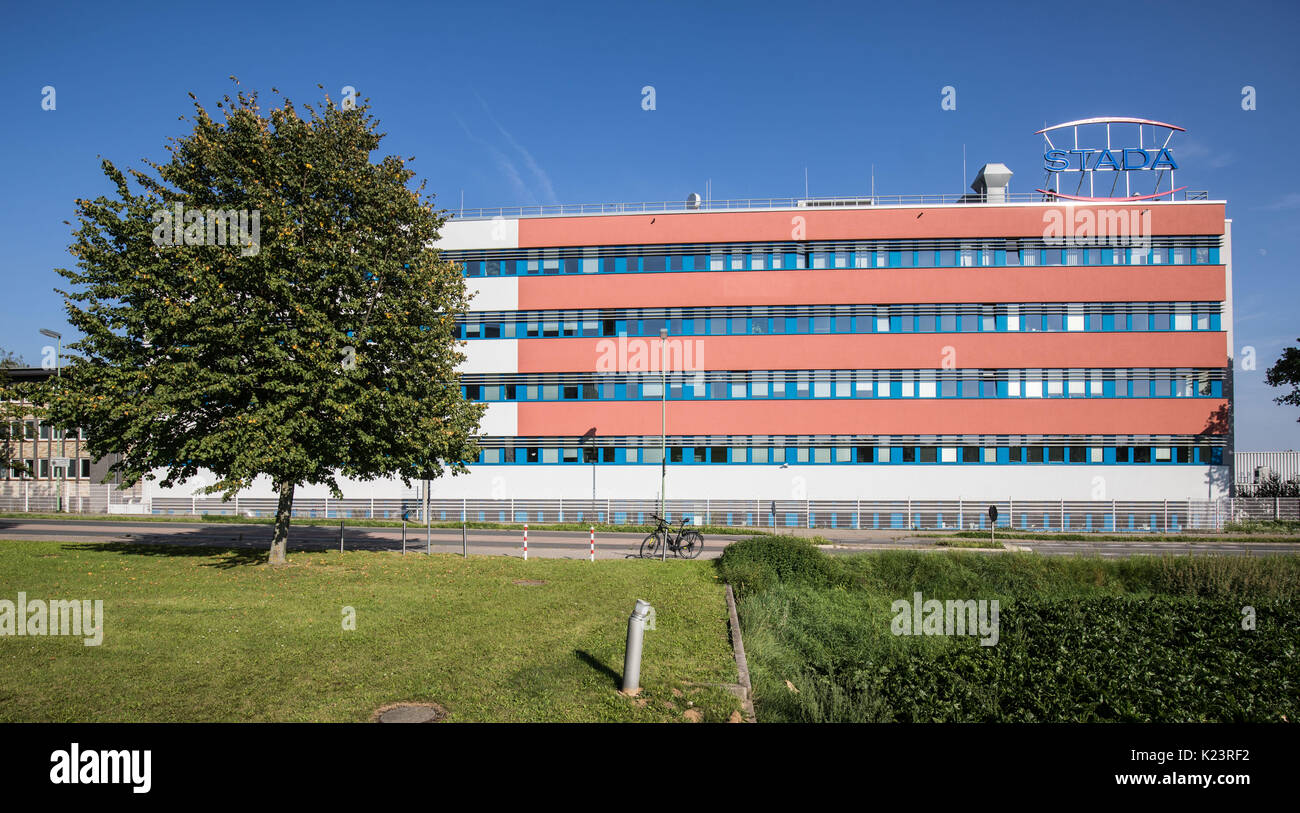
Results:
x,y
280,541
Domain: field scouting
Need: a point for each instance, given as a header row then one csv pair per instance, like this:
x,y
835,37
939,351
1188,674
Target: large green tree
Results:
x,y
267,302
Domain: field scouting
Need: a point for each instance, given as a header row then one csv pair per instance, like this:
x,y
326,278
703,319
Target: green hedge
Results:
x,y
759,564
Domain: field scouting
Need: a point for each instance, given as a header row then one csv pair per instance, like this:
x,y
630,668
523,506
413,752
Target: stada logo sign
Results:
x,y
1109,159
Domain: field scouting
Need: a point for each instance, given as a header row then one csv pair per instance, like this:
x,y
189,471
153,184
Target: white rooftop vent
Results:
x,y
991,182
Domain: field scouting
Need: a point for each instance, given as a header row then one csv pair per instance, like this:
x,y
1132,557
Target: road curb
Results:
x,y
742,665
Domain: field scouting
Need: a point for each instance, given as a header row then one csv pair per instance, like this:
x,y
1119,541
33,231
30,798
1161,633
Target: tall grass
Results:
x,y
1082,639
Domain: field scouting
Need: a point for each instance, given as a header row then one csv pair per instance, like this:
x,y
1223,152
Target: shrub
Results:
x,y
1262,526
759,564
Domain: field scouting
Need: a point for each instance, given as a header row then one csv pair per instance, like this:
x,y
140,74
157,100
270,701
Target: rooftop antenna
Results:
x,y
805,182
462,203
963,166
873,183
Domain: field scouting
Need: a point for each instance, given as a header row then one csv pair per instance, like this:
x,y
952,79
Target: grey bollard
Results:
x,y
636,627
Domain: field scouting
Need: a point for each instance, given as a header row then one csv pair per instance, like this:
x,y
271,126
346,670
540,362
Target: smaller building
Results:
x,y
49,467
1271,474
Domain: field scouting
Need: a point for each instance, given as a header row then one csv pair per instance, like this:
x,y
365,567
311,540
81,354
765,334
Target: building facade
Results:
x,y
47,467
984,346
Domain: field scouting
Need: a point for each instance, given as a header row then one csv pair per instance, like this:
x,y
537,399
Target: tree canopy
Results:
x,y
1285,372
267,302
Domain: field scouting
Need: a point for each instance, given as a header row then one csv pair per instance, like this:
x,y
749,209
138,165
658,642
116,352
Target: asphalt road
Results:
x,y
551,544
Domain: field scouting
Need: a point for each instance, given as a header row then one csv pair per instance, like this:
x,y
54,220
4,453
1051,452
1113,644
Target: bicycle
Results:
x,y
683,543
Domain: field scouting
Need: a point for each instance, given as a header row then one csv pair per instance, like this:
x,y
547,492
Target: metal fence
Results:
x,y
1083,516
75,498
749,204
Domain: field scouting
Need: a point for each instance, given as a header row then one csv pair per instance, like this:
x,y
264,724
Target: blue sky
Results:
x,y
541,103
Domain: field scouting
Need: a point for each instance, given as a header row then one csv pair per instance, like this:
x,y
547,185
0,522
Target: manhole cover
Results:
x,y
410,713
529,581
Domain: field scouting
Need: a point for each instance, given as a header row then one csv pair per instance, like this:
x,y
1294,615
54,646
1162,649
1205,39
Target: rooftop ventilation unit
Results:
x,y
693,200
817,202
991,183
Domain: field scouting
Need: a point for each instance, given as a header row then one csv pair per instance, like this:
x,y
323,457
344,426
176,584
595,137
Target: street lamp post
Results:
x,y
58,338
663,434
663,416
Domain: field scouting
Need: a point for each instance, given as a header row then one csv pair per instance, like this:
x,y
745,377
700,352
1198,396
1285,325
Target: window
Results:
x,y
822,385
738,385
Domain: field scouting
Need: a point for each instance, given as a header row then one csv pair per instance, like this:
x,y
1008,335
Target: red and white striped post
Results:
x,y
593,543
525,541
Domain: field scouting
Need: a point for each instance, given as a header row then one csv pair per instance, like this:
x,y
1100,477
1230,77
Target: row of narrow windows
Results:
x,y
655,259
1077,317
574,452
802,384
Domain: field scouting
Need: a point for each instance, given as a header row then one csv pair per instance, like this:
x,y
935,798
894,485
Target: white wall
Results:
x,y
494,233
831,482
821,482
490,356
493,293
261,487
500,420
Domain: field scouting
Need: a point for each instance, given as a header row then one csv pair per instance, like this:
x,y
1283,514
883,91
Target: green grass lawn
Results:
x,y
214,635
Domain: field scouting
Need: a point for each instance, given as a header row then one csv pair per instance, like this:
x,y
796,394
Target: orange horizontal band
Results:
x,y
921,222
892,351
1069,416
1132,283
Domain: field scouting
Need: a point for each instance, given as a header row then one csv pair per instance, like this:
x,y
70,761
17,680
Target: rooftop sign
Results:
x,y
1103,159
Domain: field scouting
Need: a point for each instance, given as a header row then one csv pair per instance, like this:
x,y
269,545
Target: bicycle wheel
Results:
x,y
650,546
692,543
